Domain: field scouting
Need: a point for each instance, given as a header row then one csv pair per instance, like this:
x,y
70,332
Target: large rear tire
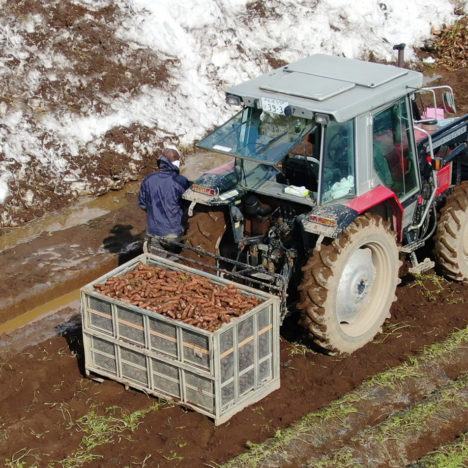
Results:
x,y
349,285
451,240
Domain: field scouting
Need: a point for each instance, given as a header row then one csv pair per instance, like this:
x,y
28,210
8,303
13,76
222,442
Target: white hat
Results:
x,y
173,147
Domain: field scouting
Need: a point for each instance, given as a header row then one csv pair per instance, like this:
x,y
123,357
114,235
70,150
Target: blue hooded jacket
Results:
x,y
161,197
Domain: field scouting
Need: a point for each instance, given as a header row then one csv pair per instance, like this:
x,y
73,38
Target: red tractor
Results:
x,y
335,171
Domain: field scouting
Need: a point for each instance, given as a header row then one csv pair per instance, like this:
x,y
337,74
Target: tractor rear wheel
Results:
x,y
349,285
451,240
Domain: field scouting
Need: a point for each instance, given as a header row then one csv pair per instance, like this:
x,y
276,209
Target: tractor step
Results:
x,y
420,267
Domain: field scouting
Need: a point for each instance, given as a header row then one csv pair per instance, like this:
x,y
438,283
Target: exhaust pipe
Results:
x,y
401,54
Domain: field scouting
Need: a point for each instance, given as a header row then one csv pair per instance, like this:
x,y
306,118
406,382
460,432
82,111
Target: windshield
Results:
x,y
257,135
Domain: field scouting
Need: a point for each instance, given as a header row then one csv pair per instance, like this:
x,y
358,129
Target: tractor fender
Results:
x,y
331,220
380,196
328,220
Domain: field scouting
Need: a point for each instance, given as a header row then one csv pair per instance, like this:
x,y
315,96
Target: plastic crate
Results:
x,y
215,373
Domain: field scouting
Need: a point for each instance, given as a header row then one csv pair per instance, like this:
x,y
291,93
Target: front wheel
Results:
x,y
349,285
451,241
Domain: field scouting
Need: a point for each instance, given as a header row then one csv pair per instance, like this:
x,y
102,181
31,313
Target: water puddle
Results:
x,y
39,311
81,212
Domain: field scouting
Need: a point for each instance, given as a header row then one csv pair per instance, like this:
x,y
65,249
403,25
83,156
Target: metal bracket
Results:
x,y
191,207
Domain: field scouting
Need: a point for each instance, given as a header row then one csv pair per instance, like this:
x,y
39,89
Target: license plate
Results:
x,y
275,106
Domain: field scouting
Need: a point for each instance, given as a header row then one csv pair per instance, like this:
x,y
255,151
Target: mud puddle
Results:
x,y
83,211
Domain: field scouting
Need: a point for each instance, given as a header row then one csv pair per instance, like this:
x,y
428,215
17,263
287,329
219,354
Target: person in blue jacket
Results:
x,y
161,197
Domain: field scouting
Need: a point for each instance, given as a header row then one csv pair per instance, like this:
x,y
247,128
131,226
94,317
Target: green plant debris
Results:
x,y
392,329
342,459
442,349
394,376
435,288
172,456
450,45
430,285
21,459
101,429
142,463
416,419
453,455
400,427
299,349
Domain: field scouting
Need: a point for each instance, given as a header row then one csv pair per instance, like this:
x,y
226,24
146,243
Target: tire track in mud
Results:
x,y
455,452
349,431
403,437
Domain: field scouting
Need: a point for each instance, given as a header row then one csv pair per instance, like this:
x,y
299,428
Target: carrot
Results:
x,y
191,298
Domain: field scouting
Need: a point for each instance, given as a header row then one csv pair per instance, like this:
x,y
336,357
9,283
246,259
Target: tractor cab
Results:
x,y
306,129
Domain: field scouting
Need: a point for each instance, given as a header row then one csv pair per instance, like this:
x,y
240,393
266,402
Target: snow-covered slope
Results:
x,y
91,88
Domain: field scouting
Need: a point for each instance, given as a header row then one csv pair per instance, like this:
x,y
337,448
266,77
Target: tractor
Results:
x,y
333,172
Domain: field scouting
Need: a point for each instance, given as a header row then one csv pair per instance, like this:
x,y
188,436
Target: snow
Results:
x,y
214,44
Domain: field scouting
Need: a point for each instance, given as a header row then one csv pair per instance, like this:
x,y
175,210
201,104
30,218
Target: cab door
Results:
x,y
394,155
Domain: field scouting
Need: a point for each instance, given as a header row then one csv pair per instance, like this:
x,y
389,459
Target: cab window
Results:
x,y
393,154
338,161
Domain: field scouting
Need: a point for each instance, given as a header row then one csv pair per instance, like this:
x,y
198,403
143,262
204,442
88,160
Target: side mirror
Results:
x,y
449,102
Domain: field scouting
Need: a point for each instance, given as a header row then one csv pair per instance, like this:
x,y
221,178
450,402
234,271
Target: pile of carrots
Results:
x,y
183,296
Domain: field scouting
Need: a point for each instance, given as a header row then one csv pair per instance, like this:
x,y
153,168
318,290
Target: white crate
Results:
x,y
216,373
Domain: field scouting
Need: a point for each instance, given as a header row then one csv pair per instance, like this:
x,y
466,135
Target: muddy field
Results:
x,y
52,415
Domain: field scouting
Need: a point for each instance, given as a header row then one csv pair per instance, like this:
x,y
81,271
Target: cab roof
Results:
x,y
340,87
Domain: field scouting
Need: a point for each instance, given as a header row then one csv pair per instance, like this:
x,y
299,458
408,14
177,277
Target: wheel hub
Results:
x,y
356,281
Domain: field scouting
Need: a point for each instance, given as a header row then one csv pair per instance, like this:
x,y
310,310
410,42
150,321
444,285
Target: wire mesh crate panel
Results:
x,y
133,366
265,333
199,391
227,367
226,347
246,337
246,352
163,337
267,337
99,314
227,394
265,317
130,325
202,384
255,330
196,349
166,378
245,329
103,355
265,342
246,381
265,369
